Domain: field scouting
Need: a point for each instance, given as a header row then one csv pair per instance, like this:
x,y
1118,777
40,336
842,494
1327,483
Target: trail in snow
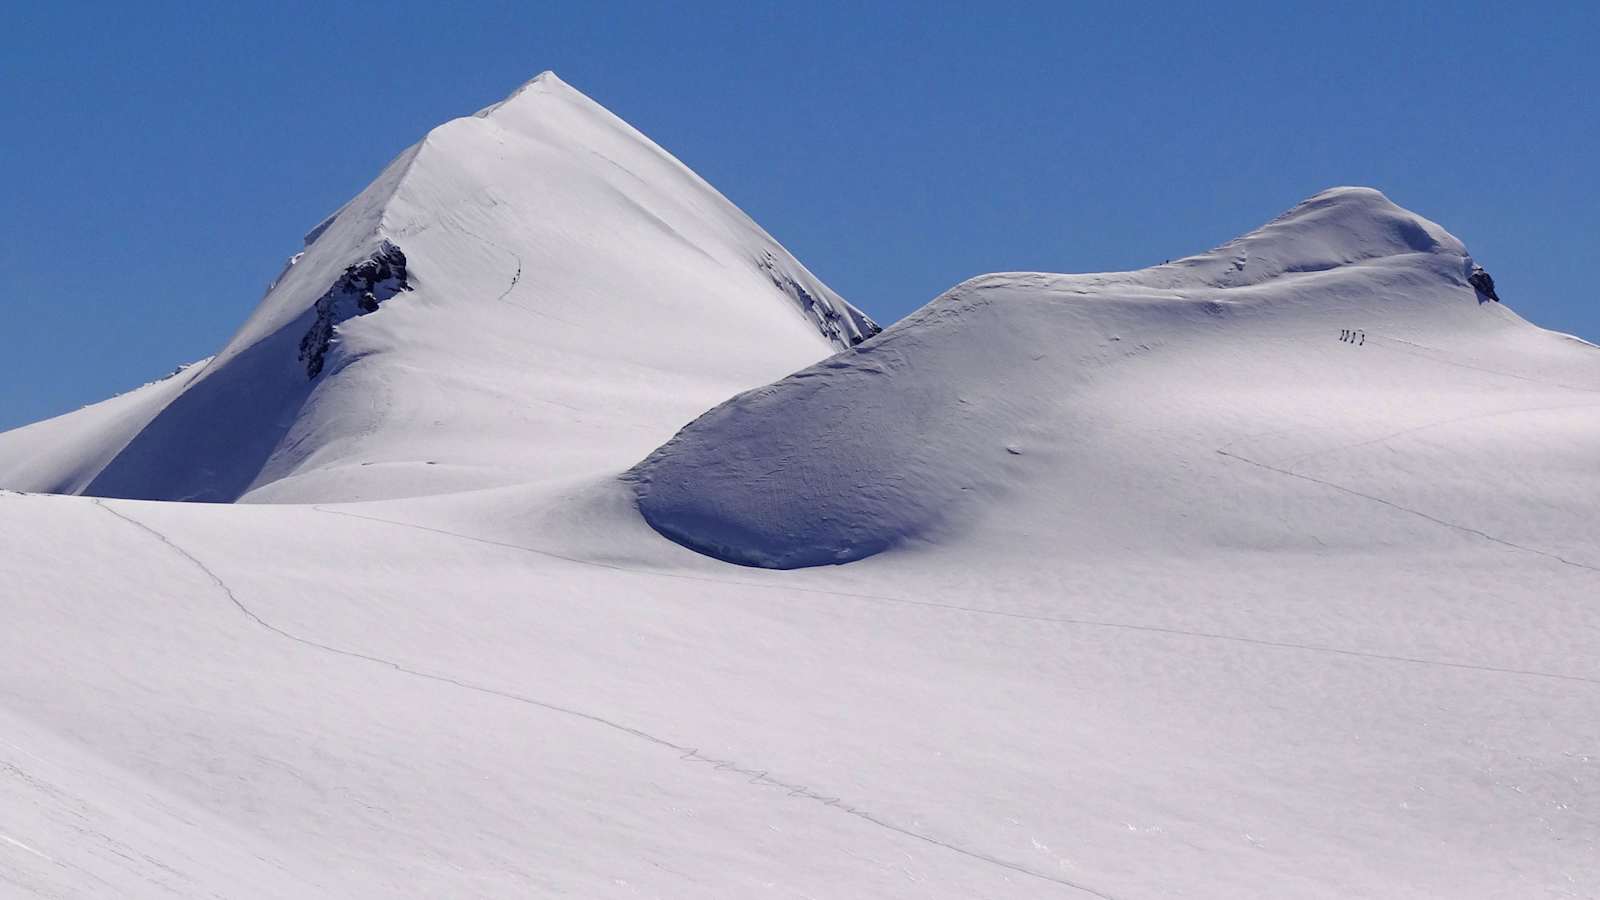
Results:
x,y
1465,529
21,846
1283,470
977,610
691,754
1461,365
516,278
1428,427
516,258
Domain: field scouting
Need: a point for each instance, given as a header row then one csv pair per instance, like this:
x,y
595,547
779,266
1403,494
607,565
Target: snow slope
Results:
x,y
526,692
1340,343
1161,587
530,292
63,455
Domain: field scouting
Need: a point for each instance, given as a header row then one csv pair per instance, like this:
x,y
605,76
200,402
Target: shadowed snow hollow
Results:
x,y
1341,341
536,291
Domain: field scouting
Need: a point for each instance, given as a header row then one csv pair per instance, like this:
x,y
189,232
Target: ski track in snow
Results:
x,y
515,277
1375,339
24,847
515,257
1461,365
1466,529
1033,617
1428,427
687,753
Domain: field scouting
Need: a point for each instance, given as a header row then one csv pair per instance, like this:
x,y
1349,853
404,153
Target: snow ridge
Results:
x,y
942,415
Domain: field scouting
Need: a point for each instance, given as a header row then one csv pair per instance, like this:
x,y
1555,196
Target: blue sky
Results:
x,y
159,161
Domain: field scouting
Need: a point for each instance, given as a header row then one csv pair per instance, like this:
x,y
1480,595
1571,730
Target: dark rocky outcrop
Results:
x,y
359,291
1484,284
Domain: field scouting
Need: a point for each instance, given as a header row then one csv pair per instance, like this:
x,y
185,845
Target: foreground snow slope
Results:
x,y
1231,608
529,693
530,292
1192,405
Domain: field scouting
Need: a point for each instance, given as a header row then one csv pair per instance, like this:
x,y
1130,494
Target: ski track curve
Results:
x,y
685,752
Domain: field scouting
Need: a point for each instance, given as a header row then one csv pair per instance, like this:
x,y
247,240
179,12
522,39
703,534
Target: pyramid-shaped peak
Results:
x,y
544,82
511,292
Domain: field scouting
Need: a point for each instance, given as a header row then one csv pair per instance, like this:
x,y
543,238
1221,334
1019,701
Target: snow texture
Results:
x,y
1270,572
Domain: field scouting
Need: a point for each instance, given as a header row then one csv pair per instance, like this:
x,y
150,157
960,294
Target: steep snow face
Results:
x,y
532,292
1042,410
62,455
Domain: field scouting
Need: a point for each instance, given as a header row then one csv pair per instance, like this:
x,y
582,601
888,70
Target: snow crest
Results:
x,y
977,401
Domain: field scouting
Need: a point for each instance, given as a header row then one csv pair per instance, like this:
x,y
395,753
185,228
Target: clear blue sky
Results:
x,y
159,161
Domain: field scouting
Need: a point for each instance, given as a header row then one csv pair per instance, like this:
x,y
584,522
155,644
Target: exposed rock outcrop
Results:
x,y
358,291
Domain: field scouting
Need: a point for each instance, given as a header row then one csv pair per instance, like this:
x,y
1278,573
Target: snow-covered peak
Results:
x,y
1337,227
526,293
1342,226
559,155
546,80
1344,240
1028,395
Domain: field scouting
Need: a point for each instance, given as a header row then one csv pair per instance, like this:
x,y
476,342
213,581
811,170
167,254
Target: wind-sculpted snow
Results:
x,y
1063,393
572,295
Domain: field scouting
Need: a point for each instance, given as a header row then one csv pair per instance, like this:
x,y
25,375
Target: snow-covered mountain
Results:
x,y
1269,572
1341,343
530,292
